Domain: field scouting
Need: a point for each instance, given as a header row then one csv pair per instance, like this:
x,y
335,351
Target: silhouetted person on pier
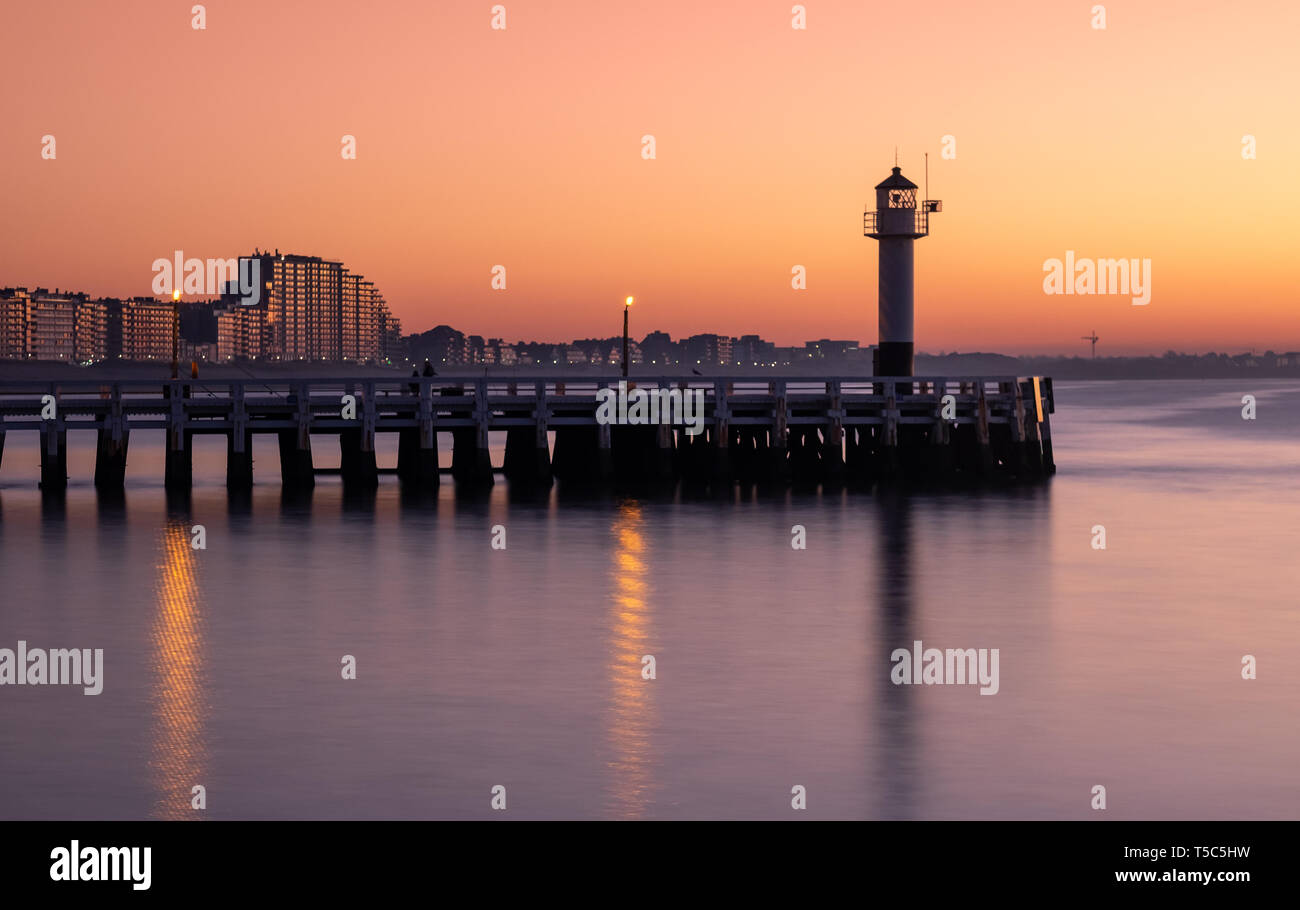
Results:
x,y
415,386
428,368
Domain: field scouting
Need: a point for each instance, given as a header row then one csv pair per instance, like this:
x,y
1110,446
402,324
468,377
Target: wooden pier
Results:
x,y
841,430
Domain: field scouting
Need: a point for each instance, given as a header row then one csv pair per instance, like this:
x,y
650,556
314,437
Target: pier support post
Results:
x,y
471,463
745,452
296,471
720,468
832,453
357,460
576,455
1019,443
111,445
178,473
239,460
541,439
985,447
528,453
778,443
857,454
805,455
524,462
518,464
110,458
239,443
692,455
416,464
417,447
942,458
54,456
888,467
1033,445
178,470
604,454
1033,406
664,455
1045,430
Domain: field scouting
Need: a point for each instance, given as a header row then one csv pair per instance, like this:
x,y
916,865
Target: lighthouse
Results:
x,y
896,222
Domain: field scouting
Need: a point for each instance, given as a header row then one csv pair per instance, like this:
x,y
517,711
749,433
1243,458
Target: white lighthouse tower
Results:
x,y
896,222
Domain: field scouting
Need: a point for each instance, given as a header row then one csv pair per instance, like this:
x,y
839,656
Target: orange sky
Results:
x,y
523,148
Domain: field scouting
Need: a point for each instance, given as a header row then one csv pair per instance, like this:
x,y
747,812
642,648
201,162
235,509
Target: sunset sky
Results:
x,y
522,147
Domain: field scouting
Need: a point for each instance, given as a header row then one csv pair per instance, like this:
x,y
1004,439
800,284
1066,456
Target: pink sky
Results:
x,y
522,147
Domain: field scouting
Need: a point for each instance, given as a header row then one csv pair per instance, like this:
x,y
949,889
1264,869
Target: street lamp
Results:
x,y
176,333
627,305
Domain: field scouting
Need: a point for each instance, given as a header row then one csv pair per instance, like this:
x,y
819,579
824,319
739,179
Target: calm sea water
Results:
x,y
522,668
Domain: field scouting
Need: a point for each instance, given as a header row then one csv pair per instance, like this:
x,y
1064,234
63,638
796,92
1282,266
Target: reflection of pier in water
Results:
x,y
631,710
179,758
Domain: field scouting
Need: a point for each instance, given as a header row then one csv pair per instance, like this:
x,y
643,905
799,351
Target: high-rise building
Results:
x,y
317,310
90,331
15,341
146,329
304,306
361,319
307,308
52,325
240,331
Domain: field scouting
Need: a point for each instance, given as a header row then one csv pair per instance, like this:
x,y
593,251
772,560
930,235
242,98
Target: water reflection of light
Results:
x,y
631,701
179,752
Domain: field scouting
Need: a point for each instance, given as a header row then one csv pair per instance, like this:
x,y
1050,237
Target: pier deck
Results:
x,y
783,429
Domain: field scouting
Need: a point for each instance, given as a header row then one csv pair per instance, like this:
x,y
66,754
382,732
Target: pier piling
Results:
x,y
110,459
178,472
239,460
296,471
357,460
54,456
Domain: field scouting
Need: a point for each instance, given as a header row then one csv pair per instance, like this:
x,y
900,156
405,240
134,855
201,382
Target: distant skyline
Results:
x,y
640,334
522,148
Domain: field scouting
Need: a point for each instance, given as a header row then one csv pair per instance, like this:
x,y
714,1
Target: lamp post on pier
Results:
x,y
176,333
627,305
